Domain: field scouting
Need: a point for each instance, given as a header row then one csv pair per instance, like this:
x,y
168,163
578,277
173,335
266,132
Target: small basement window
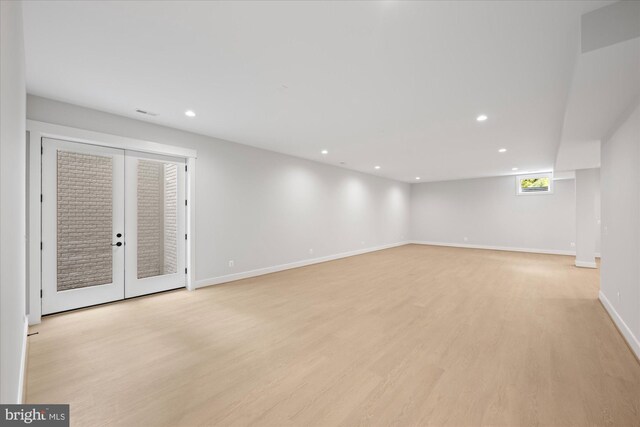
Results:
x,y
540,183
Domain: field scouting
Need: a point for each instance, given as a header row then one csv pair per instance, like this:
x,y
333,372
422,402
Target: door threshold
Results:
x,y
114,301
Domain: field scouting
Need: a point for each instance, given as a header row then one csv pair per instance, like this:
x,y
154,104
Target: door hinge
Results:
x,y
185,168
40,293
185,271
40,245
185,236
185,203
41,198
41,149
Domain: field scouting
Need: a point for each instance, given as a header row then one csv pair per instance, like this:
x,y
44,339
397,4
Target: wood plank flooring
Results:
x,y
415,335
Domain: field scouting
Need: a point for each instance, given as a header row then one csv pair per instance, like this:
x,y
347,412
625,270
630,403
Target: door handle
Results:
x,y
117,244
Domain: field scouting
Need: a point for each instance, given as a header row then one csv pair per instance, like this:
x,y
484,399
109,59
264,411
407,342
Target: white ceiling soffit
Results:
x,y
606,26
563,175
578,155
395,84
606,84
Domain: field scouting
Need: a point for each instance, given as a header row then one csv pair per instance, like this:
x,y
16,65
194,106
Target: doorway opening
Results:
x,y
113,224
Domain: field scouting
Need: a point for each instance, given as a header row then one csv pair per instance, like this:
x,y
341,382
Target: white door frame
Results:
x,y
38,130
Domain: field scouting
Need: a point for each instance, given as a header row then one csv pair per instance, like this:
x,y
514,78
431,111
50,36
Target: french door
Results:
x,y
113,224
154,223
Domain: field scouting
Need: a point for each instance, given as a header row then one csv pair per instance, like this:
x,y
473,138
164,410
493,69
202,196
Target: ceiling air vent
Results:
x,y
147,113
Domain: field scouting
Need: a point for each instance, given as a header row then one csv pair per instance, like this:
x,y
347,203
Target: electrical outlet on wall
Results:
x,y
573,244
231,263
466,239
311,251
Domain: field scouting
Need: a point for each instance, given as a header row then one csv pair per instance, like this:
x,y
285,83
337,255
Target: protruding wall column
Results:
x,y
587,187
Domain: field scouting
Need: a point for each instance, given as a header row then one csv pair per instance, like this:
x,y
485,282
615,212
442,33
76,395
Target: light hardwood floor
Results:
x,y
415,335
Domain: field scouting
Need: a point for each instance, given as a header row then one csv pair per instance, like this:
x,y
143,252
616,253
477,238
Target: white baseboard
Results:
x,y
586,264
274,269
631,339
23,362
495,248
34,320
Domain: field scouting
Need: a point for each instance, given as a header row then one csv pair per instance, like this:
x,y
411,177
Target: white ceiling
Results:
x,y
606,83
395,84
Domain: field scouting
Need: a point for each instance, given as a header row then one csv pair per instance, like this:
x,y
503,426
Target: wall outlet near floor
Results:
x,y
573,244
466,239
311,251
363,243
231,263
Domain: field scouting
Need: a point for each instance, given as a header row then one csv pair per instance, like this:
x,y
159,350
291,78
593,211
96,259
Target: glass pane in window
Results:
x,y
533,185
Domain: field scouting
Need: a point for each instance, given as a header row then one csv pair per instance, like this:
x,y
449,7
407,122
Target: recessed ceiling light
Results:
x,y
417,178
514,169
376,167
502,150
481,118
189,113
324,152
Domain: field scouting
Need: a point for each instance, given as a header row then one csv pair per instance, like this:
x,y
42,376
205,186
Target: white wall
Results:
x,y
598,219
587,215
259,208
12,201
620,202
489,213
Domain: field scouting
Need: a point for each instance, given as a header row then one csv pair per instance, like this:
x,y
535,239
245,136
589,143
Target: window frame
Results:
x,y
520,177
